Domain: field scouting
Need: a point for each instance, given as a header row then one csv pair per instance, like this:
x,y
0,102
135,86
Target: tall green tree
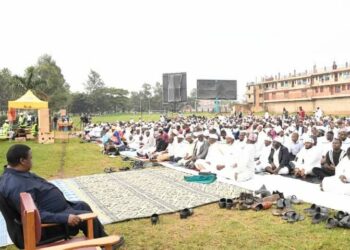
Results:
x,y
50,83
7,88
94,82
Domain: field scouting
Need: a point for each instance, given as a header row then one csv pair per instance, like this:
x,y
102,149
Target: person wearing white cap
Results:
x,y
228,149
148,144
213,158
241,142
5,128
340,182
180,148
278,158
308,158
263,161
243,165
189,145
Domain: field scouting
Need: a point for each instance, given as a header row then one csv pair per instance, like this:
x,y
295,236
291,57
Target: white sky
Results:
x,y
132,42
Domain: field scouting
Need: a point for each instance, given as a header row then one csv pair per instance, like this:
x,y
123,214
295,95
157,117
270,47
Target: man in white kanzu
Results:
x,y
308,158
241,167
213,158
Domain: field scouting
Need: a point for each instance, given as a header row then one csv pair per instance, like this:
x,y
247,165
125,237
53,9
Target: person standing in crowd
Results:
x,y
301,114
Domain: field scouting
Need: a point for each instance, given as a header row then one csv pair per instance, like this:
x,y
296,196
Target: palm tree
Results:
x,y
23,84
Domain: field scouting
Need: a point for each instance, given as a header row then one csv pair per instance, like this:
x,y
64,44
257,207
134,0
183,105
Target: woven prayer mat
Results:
x,y
136,194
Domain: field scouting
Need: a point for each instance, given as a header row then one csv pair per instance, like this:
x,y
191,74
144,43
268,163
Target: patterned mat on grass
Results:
x,y
137,194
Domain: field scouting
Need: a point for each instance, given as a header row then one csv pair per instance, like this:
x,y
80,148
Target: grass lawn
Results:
x,y
209,227
135,117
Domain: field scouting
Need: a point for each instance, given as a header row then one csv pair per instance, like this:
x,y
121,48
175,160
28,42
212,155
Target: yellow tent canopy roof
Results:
x,y
28,101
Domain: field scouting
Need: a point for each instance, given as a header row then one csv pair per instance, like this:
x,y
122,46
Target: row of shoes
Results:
x,y
322,214
247,201
136,165
184,214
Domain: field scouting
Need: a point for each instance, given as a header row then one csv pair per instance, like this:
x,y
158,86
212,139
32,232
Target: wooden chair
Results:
x,y
31,223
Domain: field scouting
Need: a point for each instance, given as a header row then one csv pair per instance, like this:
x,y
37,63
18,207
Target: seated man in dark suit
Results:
x,y
279,158
51,203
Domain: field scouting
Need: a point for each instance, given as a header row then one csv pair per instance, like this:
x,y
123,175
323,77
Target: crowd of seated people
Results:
x,y
237,147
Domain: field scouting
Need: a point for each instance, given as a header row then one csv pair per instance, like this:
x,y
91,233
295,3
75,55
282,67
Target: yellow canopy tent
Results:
x,y
28,101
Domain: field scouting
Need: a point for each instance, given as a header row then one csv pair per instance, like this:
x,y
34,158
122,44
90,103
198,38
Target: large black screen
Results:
x,y
217,89
174,87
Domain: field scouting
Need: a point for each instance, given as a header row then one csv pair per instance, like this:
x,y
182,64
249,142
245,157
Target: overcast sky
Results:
x,y
132,42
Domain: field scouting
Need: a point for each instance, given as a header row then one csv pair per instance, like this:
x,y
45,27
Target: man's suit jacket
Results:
x,y
283,156
203,151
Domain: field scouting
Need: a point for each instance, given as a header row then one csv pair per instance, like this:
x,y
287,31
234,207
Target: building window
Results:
x,y
304,81
316,90
337,89
321,89
261,95
286,94
343,87
249,96
348,86
345,75
248,87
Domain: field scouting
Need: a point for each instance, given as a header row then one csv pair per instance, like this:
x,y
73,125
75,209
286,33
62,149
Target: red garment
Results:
x,y
301,115
165,137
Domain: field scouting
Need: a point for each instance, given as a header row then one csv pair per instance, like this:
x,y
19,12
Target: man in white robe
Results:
x,y
308,158
263,161
213,158
189,150
241,166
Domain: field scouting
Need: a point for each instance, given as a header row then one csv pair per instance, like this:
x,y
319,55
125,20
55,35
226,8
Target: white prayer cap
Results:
x,y
278,129
309,139
188,135
180,136
206,133
175,132
213,136
267,138
198,133
278,139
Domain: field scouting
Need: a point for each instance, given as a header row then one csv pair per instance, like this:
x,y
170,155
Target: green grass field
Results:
x,y
209,227
136,117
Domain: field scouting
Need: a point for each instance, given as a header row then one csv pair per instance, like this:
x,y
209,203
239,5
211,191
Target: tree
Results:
x,y
94,82
7,88
53,87
80,103
157,98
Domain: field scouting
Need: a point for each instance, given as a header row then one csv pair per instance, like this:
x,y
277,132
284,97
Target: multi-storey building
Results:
x,y
327,88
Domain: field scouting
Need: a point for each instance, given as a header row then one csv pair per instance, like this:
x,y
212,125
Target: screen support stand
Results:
x,y
216,106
